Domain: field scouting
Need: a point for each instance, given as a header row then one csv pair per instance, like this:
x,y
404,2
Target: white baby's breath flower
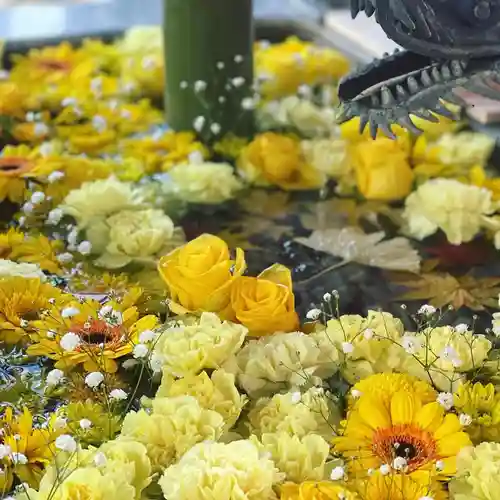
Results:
x,y
5,451
465,419
100,459
54,217
140,351
65,442
296,397
18,458
147,336
385,469
37,197
85,247
69,312
337,474
356,394
85,424
70,341
313,314
65,258
461,328
399,463
128,364
445,399
411,344
347,347
200,86
368,334
427,310
439,465
54,377
118,394
94,379
199,123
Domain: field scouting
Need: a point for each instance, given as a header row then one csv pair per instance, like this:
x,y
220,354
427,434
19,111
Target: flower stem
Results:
x,y
338,265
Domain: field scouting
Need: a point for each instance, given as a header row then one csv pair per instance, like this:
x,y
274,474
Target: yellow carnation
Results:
x,y
445,354
94,200
478,473
299,458
132,235
283,360
294,413
328,156
234,471
206,183
455,208
172,428
216,392
370,344
129,458
195,345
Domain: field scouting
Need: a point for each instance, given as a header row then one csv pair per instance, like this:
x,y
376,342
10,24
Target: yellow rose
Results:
x,y
130,235
266,304
274,159
200,274
382,169
209,183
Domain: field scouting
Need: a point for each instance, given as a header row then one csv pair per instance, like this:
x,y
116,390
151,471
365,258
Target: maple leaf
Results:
x,y
353,245
442,289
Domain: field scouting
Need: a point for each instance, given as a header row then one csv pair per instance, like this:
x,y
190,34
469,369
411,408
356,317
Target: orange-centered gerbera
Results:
x,y
402,433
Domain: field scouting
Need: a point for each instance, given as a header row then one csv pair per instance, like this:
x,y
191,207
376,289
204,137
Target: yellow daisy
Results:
x,y
22,301
407,431
94,335
313,490
400,487
163,152
30,444
15,163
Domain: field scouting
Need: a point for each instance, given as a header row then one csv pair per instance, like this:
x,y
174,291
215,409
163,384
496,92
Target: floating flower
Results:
x,y
205,183
216,392
173,427
294,413
200,274
236,468
196,345
283,360
22,302
478,473
316,490
420,433
101,338
273,159
451,206
132,236
382,169
481,405
265,304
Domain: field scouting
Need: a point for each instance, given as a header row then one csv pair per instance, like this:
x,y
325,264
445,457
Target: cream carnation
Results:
x,y
9,268
294,413
451,206
299,458
283,360
98,199
237,469
208,183
216,392
464,148
172,428
206,342
328,156
478,473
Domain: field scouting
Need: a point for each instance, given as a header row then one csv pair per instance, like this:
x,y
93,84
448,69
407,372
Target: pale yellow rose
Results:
x,y
193,346
297,113
300,458
216,392
172,428
234,471
9,268
206,183
132,235
283,361
382,169
98,199
451,206
266,304
199,276
277,160
328,156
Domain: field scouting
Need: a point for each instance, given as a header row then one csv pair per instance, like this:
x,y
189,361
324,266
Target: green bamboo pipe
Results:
x,y
209,42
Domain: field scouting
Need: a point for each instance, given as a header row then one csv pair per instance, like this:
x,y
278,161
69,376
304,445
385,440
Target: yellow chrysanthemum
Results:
x,y
163,152
415,486
382,386
33,448
89,333
22,301
20,247
482,404
312,490
375,434
15,163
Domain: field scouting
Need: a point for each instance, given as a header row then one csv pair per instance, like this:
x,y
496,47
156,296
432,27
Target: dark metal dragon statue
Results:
x,y
448,44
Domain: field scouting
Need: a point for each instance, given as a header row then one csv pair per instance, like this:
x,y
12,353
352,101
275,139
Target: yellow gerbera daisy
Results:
x,y
32,449
417,433
313,490
400,487
20,247
22,301
162,153
382,386
15,163
91,333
